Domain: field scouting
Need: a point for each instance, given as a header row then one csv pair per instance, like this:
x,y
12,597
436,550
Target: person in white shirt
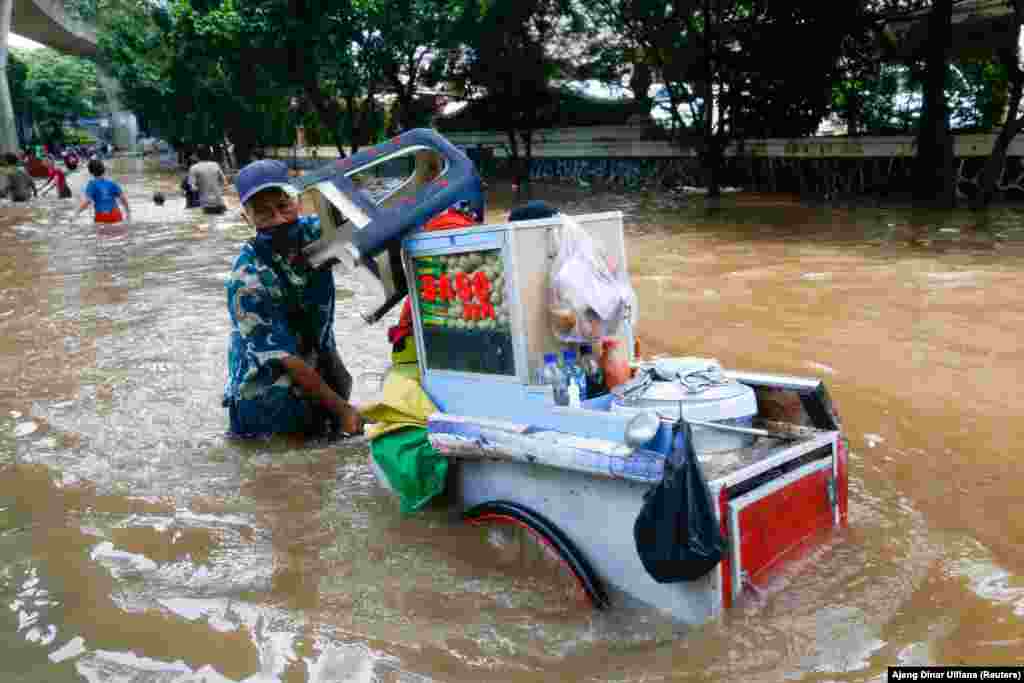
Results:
x,y
207,177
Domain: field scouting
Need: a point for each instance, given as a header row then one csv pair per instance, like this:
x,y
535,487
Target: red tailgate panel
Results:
x,y
780,521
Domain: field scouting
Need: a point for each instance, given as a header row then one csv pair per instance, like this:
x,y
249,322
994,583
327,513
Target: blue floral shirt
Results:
x,y
264,329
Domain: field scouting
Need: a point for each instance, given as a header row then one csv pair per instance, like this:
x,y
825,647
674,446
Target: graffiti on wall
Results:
x,y
806,175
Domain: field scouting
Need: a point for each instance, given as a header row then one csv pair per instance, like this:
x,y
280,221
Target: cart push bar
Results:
x,y
367,229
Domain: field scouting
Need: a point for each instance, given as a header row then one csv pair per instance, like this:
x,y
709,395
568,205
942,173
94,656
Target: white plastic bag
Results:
x,y
589,294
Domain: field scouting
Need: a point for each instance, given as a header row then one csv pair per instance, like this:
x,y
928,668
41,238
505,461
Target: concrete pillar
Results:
x,y
123,125
8,128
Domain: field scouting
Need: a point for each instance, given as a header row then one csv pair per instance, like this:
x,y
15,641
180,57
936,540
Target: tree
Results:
x,y
724,69
420,113
1010,58
411,40
933,164
52,89
881,99
977,91
513,51
189,71
312,48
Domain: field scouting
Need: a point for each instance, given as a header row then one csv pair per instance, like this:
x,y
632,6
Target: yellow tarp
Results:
x,y
402,403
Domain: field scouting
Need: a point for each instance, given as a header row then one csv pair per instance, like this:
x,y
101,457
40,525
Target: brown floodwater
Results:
x,y
138,544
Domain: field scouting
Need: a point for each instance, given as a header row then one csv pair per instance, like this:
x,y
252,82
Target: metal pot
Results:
x,y
724,401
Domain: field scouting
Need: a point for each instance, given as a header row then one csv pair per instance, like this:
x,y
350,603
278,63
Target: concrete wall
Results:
x,y
629,156
633,142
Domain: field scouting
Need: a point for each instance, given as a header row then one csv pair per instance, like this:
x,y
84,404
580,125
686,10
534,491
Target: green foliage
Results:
x,y
52,89
513,51
409,44
187,69
889,100
977,93
762,96
422,112
731,53
886,102
85,10
199,70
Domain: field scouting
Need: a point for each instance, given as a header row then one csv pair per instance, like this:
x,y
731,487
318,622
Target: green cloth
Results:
x,y
413,468
399,443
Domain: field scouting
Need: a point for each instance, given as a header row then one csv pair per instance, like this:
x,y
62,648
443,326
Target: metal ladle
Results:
x,y
746,430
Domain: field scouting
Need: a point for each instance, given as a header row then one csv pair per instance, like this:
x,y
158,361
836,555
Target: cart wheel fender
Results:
x,y
549,534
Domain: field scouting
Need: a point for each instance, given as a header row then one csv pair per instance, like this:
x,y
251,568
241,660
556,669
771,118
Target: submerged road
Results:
x,y
137,544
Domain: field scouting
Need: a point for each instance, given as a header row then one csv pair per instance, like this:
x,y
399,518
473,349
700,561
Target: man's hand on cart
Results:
x,y
313,384
352,420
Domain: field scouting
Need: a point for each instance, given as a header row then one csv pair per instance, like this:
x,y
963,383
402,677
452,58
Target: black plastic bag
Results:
x,y
677,534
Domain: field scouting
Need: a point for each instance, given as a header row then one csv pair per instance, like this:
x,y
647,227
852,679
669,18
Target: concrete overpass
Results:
x,y
46,22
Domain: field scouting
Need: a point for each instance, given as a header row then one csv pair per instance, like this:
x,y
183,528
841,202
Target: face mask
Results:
x,y
283,239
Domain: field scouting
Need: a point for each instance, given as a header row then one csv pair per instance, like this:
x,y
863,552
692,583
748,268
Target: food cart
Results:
x,y
575,477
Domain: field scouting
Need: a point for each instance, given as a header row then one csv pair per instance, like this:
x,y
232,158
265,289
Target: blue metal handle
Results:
x,y
389,225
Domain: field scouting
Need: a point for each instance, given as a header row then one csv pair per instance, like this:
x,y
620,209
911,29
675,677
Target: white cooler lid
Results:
x,y
728,401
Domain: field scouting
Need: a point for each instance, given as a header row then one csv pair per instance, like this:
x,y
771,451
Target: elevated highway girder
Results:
x,y
46,22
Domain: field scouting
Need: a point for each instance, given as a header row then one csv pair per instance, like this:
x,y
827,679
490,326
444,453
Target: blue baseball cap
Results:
x,y
262,175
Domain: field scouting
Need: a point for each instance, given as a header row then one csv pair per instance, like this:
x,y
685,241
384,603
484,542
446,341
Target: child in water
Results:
x,y
104,194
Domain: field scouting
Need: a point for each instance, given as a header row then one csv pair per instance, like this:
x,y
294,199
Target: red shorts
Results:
x,y
109,216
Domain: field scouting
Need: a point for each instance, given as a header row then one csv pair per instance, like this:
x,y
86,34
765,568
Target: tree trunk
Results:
x,y
244,144
1014,123
514,159
997,113
854,104
640,83
933,168
232,154
994,164
405,100
304,67
528,157
353,121
370,119
405,93
327,108
712,158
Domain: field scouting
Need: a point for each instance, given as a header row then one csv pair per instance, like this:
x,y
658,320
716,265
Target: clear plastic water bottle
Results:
x,y
551,374
592,370
576,381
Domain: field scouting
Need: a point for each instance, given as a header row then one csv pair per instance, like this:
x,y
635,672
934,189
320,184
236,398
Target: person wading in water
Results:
x,y
284,372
